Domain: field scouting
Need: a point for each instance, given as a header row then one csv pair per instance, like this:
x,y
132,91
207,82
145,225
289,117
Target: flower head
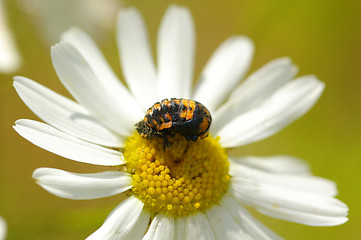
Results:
x,y
188,189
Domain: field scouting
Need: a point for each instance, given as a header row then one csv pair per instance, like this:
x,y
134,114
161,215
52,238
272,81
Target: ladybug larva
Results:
x,y
184,116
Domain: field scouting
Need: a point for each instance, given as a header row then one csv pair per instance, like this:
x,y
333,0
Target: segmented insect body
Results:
x,y
184,116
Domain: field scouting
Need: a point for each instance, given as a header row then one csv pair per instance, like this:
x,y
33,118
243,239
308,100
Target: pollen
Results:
x,y
180,180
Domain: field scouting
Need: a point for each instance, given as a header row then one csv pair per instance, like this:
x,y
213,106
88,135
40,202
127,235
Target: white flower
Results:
x,y
3,229
10,59
99,129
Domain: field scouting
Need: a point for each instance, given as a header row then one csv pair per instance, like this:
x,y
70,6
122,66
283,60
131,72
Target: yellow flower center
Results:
x,y
180,179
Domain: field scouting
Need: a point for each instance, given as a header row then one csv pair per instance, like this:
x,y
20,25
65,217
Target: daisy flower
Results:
x,y
190,189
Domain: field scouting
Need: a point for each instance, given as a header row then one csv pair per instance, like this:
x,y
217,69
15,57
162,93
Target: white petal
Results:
x,y
223,225
126,221
255,229
180,228
90,51
161,228
224,70
282,108
10,59
176,49
62,144
86,78
141,227
136,57
151,230
64,114
275,164
82,186
3,229
301,183
310,219
292,205
255,90
198,227
165,229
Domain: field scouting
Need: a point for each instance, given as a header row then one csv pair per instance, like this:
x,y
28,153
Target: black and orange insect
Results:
x,y
184,116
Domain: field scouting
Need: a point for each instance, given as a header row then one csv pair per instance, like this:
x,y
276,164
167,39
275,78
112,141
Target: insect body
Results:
x,y
184,116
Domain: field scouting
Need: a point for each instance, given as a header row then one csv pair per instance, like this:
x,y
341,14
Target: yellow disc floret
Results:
x,y
180,179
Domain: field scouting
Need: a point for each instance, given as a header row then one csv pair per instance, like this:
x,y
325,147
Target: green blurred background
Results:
x,y
322,37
